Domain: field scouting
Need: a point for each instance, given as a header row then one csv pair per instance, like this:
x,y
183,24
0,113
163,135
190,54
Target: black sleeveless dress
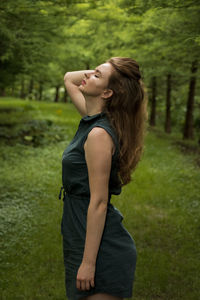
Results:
x,y
116,259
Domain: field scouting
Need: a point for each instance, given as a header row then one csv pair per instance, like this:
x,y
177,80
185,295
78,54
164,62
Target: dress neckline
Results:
x,y
88,118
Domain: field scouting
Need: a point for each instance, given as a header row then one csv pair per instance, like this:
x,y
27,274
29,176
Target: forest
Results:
x,y
42,40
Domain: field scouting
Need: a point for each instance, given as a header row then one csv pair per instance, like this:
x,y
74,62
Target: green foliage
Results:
x,y
17,126
160,208
26,33
41,40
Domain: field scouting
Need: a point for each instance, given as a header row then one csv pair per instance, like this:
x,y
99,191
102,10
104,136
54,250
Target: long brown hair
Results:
x,y
127,111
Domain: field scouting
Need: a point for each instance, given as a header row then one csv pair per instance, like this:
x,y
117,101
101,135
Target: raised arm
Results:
x,y
72,82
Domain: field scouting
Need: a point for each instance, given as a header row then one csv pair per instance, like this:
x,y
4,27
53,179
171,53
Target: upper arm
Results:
x,y
76,96
98,153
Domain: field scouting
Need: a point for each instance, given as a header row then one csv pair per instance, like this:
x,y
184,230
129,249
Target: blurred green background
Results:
x,y
39,42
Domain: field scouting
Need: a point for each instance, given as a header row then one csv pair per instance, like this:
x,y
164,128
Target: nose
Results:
x,y
86,75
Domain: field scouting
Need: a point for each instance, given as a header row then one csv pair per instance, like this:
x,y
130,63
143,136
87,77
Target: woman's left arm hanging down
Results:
x,y
98,153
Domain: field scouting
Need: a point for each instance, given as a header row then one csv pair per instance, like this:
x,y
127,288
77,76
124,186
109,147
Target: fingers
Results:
x,y
92,283
87,285
84,284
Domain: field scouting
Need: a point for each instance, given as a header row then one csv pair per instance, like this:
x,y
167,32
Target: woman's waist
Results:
x,y
70,193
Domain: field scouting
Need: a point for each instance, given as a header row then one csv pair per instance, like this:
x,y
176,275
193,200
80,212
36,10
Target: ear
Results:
x,y
107,94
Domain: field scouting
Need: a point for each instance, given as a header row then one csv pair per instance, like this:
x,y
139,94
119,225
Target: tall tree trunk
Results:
x,y
40,90
65,96
188,127
22,91
153,103
57,94
13,89
31,84
87,66
2,91
13,86
168,106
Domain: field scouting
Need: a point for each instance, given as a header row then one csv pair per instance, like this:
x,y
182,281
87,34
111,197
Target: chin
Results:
x,y
80,87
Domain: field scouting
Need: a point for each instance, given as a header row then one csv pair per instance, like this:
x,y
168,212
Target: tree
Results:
x,y
188,128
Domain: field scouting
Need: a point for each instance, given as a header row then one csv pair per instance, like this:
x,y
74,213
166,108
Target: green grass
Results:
x,y
160,208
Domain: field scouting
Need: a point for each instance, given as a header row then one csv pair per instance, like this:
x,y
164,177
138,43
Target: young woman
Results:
x,y
99,252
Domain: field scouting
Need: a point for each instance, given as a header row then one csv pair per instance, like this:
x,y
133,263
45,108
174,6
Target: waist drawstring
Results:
x,y
60,194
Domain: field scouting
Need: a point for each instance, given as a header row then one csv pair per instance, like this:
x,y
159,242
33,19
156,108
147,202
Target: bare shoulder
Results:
x,y
99,134
98,137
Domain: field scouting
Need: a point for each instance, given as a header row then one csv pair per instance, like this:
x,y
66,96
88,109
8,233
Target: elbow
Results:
x,y
66,76
103,206
100,205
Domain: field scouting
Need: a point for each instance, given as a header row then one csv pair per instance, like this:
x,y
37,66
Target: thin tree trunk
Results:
x,y
188,127
168,106
153,103
2,91
35,94
31,84
13,89
40,90
65,96
13,86
57,94
22,92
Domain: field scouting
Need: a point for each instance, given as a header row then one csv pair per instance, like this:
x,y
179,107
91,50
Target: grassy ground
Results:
x,y
160,208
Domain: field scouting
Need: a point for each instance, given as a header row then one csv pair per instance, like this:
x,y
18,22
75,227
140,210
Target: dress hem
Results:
x,y
123,294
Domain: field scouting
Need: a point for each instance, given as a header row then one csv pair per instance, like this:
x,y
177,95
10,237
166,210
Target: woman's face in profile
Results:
x,y
94,83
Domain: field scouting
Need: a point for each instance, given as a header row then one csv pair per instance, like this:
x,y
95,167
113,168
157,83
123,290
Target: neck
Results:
x,y
93,106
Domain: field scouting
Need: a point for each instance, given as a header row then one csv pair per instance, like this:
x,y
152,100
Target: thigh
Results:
x,y
102,296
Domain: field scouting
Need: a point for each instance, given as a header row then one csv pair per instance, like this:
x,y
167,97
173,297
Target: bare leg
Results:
x,y
102,296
